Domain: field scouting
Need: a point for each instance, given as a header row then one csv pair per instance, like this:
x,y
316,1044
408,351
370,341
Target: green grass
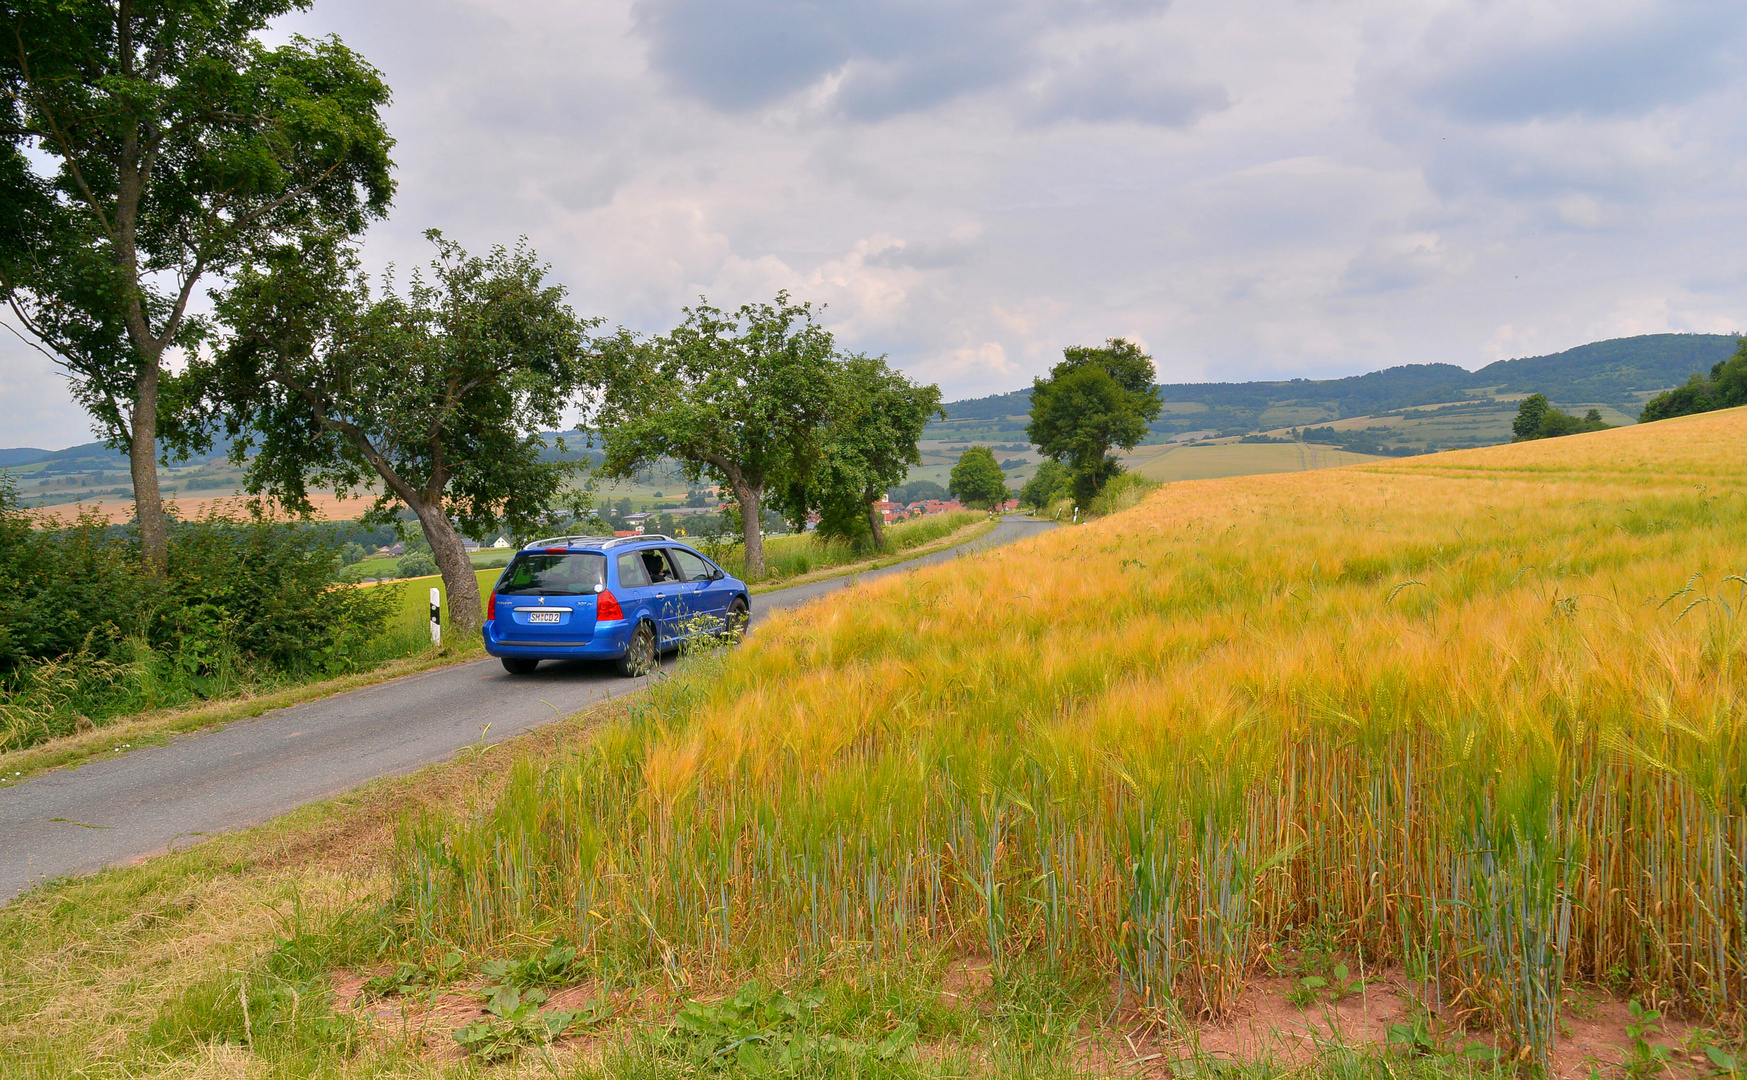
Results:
x,y
387,567
788,557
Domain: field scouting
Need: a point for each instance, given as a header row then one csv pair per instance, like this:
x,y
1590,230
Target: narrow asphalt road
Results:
x,y
74,821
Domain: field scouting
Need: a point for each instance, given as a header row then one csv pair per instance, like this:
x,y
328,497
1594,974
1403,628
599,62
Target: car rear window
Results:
x,y
632,574
538,574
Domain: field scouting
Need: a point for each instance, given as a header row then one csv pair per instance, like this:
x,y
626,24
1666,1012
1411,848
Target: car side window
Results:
x,y
690,566
632,573
660,570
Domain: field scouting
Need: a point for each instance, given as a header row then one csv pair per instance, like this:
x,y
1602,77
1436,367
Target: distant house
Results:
x,y
469,545
502,542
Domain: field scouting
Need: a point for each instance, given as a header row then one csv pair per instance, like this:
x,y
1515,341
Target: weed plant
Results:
x,y
1477,714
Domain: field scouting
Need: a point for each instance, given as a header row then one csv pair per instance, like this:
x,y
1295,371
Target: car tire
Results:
x,y
739,617
640,655
519,665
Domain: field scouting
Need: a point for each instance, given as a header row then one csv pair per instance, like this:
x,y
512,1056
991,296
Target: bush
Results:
x,y
417,564
1121,493
1052,481
87,633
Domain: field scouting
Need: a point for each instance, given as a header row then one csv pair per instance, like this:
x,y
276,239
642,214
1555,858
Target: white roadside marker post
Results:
x,y
436,617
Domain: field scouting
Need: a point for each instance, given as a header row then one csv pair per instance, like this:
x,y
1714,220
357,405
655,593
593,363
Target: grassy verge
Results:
x,y
980,525
787,558
404,649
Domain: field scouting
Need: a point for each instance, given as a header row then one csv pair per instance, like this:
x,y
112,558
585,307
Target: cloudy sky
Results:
x,y
1252,188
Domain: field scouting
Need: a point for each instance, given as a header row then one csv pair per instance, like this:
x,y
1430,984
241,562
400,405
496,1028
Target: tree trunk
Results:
x,y
142,460
459,581
752,529
876,520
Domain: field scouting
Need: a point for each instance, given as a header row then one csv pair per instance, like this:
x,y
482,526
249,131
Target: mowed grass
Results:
x,y
1220,460
1476,717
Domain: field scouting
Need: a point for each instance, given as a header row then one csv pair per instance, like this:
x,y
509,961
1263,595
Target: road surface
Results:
x,y
150,800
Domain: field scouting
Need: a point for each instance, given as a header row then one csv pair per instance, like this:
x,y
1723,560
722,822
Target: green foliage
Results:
x,y
1645,1059
1097,398
1051,482
1120,494
87,631
1537,419
417,564
1724,389
179,140
436,397
514,1021
868,444
554,967
918,491
760,1032
977,481
741,398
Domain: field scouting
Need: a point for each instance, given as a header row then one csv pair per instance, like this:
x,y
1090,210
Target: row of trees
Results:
x,y
186,153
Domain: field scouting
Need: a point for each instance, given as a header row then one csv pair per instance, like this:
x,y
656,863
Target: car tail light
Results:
x,y
491,607
556,551
607,607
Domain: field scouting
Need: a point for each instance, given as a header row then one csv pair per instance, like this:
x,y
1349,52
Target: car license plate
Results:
x,y
543,616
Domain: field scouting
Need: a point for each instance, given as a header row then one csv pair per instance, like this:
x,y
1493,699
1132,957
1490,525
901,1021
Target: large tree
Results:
x,y
178,141
977,481
436,397
1096,399
869,443
741,398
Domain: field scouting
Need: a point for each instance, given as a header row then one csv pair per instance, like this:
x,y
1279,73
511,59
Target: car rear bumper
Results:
x,y
606,643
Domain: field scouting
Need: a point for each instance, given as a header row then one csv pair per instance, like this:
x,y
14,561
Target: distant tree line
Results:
x,y
1537,419
1724,388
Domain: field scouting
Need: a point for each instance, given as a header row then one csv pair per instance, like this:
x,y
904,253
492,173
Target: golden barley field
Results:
x,y
1477,714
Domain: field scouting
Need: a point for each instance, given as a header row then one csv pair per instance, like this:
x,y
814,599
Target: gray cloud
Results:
x,y
1596,63
888,57
1106,86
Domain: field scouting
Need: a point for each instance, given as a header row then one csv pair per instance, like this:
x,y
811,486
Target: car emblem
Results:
x,y
542,599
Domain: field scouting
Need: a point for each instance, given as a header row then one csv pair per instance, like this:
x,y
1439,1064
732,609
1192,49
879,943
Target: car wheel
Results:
x,y
738,619
519,665
639,658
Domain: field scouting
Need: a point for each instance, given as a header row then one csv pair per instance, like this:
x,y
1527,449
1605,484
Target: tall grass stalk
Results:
x,y
1478,713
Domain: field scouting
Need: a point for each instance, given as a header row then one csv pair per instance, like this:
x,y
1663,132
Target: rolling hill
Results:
x,y
1472,408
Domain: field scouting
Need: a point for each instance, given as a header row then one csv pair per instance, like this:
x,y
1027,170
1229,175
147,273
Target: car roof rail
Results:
x,y
552,541
641,536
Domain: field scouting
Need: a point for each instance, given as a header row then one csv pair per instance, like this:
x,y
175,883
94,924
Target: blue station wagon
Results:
x,y
627,599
